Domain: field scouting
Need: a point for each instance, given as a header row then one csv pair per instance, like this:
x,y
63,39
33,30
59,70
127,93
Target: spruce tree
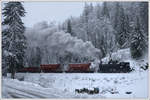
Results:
x,y
107,42
69,29
98,11
13,35
85,16
124,35
121,26
144,16
137,46
144,19
105,10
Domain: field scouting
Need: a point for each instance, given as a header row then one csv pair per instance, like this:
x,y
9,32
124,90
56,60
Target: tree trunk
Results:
x,y
13,67
13,73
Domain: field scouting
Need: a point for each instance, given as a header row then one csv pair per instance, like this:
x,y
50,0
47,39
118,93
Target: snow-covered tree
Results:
x,y
108,40
124,37
69,28
13,35
88,9
98,11
105,10
122,26
138,42
144,15
143,6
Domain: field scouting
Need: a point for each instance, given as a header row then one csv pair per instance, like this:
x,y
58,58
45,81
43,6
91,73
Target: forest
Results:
x,y
100,30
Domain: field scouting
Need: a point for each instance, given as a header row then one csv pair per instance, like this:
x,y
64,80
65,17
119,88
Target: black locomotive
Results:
x,y
115,67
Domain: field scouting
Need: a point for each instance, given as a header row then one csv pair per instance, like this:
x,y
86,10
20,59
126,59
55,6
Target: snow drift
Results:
x,y
13,88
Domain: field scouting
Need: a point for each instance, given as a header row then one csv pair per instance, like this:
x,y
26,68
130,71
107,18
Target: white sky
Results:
x,y
50,11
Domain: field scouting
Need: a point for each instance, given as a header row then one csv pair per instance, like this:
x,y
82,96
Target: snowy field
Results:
x,y
60,85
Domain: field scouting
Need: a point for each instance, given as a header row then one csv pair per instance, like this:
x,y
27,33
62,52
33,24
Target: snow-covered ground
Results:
x,y
12,88
54,85
63,85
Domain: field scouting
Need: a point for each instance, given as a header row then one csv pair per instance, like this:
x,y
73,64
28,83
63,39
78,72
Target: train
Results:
x,y
79,68
122,67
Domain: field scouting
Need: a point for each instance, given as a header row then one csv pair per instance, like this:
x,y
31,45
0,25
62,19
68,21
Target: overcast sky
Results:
x,y
50,11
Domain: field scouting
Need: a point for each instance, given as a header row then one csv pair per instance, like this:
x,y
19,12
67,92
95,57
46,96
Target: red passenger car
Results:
x,y
50,67
79,67
30,69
